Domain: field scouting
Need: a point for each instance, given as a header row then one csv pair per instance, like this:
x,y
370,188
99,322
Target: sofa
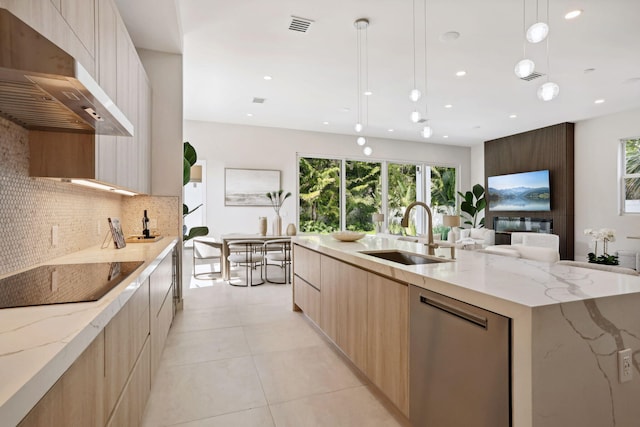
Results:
x,y
475,237
535,246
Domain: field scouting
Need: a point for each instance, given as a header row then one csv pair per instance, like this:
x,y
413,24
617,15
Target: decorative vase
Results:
x,y
277,226
262,225
291,230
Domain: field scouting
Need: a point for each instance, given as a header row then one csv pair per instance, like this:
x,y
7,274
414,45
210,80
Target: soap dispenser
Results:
x,y
145,226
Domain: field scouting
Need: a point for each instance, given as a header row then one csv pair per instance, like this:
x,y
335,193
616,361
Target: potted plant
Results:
x,y
190,159
472,204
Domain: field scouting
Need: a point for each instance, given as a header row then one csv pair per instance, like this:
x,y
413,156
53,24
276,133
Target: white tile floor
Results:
x,y
241,357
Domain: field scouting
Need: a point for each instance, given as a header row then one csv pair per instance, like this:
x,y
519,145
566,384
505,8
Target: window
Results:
x,y
319,195
630,182
363,194
336,194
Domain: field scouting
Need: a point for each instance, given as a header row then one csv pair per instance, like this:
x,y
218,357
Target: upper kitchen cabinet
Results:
x,y
119,161
67,23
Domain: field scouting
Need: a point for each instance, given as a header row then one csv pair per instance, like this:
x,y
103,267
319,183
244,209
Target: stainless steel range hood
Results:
x,y
42,87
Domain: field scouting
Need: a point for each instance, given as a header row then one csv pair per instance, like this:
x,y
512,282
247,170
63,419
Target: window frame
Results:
x,y
422,195
623,176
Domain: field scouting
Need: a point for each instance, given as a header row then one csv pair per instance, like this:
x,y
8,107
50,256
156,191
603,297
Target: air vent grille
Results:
x,y
259,100
531,76
423,120
300,25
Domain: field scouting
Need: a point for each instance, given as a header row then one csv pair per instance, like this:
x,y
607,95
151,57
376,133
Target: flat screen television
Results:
x,y
527,191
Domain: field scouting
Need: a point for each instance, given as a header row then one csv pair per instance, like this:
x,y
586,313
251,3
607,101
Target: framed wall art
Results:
x,y
249,187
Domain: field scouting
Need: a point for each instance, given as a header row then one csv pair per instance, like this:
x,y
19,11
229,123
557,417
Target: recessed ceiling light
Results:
x,y
368,93
448,106
345,109
598,101
513,116
573,14
476,127
249,115
325,123
445,136
461,73
450,36
390,130
267,77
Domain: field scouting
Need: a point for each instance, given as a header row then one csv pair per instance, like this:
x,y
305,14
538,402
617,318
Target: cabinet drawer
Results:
x,y
130,407
125,336
308,299
306,264
160,282
159,331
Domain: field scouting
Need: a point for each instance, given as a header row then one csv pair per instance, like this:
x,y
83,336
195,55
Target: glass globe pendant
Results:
x,y
537,32
361,140
415,95
426,132
367,151
415,116
524,68
358,127
548,91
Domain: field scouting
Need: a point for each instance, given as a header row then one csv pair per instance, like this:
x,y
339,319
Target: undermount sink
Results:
x,y
406,258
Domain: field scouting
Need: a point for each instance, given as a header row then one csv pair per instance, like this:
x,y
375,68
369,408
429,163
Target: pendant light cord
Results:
x,y
426,107
524,28
414,44
548,36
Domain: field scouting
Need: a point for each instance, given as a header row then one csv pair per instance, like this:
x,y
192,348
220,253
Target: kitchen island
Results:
x,y
567,323
39,344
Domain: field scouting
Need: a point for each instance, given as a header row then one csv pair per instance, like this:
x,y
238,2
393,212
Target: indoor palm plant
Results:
x,y
190,159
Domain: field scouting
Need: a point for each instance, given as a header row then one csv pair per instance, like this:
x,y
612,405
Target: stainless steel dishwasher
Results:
x,y
459,363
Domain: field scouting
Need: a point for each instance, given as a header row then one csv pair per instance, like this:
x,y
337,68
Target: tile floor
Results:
x,y
241,357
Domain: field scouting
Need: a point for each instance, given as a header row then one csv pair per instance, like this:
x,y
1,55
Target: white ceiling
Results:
x,y
229,46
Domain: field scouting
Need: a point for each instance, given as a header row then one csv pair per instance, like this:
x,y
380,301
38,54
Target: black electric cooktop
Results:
x,y
63,283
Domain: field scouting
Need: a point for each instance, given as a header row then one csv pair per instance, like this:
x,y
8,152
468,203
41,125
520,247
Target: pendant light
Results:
x,y
525,67
426,131
548,90
538,31
361,25
414,94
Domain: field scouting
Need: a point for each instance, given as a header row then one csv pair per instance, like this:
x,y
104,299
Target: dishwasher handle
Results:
x,y
456,311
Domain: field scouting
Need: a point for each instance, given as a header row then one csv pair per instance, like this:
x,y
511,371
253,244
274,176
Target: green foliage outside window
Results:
x,y
632,166
319,188
364,192
402,192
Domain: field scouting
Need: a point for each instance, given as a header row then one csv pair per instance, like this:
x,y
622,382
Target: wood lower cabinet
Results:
x,y
343,308
307,265
125,337
307,298
388,338
76,399
161,305
366,315
130,408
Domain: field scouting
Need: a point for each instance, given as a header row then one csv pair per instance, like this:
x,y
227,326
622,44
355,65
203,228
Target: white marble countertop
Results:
x,y
38,344
498,283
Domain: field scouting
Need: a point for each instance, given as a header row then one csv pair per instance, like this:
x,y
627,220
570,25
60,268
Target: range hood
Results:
x,y
42,87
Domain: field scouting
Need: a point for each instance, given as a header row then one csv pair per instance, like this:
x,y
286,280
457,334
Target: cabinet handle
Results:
x,y
455,311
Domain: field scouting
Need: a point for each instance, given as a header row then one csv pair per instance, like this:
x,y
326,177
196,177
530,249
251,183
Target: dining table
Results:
x,y
226,238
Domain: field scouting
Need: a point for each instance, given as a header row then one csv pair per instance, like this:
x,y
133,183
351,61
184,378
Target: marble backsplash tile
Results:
x,y
163,213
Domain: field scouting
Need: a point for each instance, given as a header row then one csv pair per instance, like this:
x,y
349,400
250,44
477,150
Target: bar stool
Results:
x,y
278,251
207,248
249,253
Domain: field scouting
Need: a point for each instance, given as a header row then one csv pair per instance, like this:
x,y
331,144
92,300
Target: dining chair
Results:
x,y
279,252
250,254
207,248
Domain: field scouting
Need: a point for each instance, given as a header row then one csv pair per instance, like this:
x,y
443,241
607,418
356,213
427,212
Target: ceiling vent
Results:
x,y
532,76
422,120
259,100
300,25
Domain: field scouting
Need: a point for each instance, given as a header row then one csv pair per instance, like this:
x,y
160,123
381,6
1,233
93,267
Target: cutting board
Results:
x,y
140,239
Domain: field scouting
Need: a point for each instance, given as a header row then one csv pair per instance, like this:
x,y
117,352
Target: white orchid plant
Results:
x,y
605,235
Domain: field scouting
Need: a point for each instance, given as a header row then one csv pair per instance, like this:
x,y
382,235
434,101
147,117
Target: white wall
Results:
x,y
165,73
235,146
596,180
477,164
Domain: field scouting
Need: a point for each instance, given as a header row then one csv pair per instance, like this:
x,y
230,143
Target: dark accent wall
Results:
x,y
547,148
